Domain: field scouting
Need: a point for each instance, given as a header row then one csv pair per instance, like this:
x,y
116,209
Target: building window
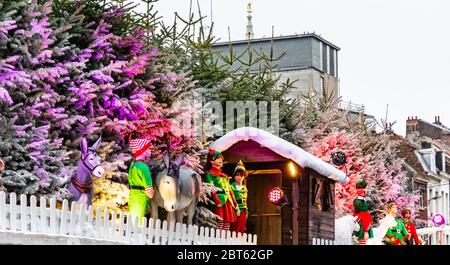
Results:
x,y
332,63
425,145
321,57
421,198
335,63
328,63
439,164
324,58
447,165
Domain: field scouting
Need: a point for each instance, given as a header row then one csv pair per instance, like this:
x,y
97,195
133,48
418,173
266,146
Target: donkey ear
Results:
x,y
97,143
179,160
84,145
166,160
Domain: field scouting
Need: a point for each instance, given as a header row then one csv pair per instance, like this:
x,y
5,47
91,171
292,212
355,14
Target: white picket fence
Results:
x,y
79,222
321,241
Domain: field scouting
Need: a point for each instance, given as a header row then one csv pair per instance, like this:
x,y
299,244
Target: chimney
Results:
x,y
387,128
437,120
412,124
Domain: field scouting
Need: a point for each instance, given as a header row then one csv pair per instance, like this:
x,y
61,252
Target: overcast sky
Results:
x,y
392,52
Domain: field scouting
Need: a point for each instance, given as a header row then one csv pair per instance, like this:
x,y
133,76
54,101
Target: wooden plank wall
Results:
x,y
304,215
303,211
321,223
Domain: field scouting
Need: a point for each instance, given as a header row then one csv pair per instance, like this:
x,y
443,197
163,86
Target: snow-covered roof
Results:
x,y
282,148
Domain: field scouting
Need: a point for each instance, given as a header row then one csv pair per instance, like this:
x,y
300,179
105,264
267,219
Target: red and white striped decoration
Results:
x,y
224,226
137,145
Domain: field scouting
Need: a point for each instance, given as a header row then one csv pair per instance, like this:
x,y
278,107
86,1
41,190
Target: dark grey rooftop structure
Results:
x,y
302,51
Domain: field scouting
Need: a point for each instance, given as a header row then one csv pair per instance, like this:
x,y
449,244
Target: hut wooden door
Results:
x,y
264,217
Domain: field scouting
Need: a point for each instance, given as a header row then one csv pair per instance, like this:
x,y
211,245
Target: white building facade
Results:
x,y
432,142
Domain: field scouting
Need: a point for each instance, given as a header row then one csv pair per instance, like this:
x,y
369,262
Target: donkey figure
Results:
x,y
177,190
80,184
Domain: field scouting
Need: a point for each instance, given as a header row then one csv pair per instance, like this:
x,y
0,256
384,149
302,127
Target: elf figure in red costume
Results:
x,y
226,205
412,237
363,217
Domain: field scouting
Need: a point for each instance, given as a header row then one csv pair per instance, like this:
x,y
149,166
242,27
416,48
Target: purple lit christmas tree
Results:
x,y
78,73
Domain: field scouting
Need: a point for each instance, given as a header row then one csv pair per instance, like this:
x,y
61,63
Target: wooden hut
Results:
x,y
307,181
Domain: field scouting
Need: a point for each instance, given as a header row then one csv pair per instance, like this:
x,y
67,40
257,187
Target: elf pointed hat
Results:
x,y
139,146
361,184
240,166
213,153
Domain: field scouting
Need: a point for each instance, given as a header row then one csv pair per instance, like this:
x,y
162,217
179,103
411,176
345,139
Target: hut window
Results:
x,y
322,194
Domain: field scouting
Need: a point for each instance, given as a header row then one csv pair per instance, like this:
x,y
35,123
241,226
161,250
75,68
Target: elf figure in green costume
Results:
x,y
395,235
363,217
240,193
226,204
139,179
